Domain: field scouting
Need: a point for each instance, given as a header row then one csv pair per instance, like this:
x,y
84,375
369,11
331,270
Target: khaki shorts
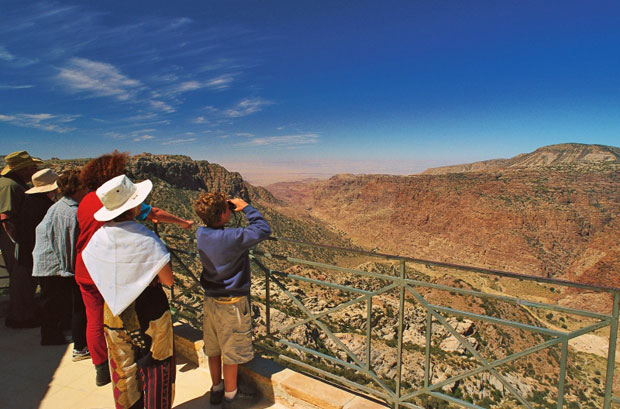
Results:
x,y
227,330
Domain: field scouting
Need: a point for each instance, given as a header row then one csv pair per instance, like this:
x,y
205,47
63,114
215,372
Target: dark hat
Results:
x,y
18,160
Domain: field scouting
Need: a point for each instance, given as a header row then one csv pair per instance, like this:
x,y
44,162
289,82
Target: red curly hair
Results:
x,y
99,170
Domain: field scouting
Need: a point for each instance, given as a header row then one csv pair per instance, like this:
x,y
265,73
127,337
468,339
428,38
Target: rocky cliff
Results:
x,y
558,219
561,154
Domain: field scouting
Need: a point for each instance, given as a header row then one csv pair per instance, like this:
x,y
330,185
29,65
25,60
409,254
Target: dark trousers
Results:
x,y
56,294
22,286
78,316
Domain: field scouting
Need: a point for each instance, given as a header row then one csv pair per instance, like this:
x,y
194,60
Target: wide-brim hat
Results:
x,y
18,160
44,181
120,194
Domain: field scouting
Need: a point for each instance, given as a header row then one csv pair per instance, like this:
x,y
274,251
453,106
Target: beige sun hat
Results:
x,y
18,160
120,194
44,181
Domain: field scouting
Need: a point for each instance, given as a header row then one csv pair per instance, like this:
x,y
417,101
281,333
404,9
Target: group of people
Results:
x,y
77,235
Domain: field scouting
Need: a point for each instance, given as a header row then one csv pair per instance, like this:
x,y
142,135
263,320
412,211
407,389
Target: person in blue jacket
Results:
x,y
225,278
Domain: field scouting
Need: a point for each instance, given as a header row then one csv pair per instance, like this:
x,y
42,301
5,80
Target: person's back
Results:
x,y
23,309
227,327
128,263
224,253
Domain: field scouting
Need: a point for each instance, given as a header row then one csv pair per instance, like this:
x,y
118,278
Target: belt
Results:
x,y
227,300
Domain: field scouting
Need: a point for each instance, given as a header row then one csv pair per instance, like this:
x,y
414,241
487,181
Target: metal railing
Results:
x,y
3,276
308,312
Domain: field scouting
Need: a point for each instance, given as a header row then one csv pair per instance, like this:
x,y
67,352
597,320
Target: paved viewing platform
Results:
x,y
45,377
34,376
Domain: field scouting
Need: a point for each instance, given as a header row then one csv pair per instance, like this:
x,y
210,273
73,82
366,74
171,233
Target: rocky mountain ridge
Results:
x,y
551,220
552,155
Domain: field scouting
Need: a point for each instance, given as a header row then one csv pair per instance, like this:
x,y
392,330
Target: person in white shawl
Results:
x,y
128,263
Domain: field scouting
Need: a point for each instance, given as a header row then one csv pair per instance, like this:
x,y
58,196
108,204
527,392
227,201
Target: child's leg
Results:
x,y
215,368
230,377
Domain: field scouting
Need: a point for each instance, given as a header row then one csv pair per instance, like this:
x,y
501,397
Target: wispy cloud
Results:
x,y
179,141
5,55
221,82
16,86
218,83
115,135
162,106
246,107
82,52
143,138
200,120
137,135
46,122
98,79
284,140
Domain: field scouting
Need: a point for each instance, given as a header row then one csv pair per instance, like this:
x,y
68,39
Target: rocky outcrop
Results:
x,y
561,154
547,221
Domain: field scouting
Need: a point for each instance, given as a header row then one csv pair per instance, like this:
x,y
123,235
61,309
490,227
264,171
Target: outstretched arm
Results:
x,y
157,215
165,275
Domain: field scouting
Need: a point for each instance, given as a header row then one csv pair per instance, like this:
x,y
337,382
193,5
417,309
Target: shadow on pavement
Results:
x,y
27,367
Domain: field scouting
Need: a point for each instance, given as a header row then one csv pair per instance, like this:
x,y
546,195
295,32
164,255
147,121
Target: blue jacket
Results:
x,y
224,254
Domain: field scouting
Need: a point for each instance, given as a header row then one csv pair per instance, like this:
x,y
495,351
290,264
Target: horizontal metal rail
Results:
x,y
401,289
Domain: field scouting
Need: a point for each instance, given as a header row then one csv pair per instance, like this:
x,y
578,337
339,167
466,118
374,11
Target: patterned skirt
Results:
x,y
140,348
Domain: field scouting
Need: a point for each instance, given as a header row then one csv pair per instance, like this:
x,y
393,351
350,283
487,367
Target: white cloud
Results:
x,y
16,86
221,82
142,117
115,135
249,135
143,138
46,122
99,79
188,86
200,120
284,140
162,106
179,141
218,83
5,55
246,107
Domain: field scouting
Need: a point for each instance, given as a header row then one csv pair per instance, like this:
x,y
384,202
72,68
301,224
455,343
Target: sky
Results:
x,y
284,90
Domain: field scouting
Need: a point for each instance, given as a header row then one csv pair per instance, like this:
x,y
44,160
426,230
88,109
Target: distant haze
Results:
x,y
260,173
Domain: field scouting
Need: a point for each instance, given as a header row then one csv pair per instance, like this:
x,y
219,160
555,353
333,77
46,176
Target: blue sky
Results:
x,y
288,89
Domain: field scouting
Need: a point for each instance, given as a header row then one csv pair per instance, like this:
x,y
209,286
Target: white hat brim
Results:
x,y
142,191
43,189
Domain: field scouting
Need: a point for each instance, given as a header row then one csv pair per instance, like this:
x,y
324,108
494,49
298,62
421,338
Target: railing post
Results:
x,y
368,332
401,321
562,380
429,335
611,356
268,302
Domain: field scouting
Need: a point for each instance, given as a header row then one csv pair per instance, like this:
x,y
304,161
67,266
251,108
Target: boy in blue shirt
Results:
x,y
225,278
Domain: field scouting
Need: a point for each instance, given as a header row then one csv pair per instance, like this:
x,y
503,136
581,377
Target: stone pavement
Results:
x,y
34,376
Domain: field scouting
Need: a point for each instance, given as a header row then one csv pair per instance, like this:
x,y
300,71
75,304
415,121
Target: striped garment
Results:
x,y
141,352
56,235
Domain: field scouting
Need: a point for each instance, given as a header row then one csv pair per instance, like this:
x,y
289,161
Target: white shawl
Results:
x,y
122,259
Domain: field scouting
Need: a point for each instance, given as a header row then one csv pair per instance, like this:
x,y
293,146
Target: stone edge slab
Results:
x,y
276,383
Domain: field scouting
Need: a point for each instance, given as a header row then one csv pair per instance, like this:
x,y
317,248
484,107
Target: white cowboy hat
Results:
x,y
44,181
120,194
